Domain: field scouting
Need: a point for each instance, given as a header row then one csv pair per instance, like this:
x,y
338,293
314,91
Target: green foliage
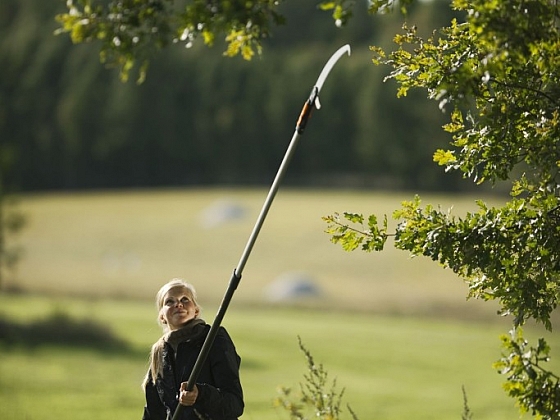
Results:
x,y
500,78
342,9
499,73
132,30
501,257
60,329
319,398
508,253
370,238
536,389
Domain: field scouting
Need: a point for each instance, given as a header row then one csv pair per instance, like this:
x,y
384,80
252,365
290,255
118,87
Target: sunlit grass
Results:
x,y
396,332
390,367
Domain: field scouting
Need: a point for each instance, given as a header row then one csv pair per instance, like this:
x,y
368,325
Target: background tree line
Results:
x,y
199,118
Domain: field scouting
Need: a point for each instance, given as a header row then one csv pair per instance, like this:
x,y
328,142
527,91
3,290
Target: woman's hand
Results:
x,y
187,397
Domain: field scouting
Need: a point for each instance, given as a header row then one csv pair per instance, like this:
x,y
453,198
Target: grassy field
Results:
x,y
390,367
129,243
395,332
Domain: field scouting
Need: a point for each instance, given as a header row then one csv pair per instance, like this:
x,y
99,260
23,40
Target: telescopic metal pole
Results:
x,y
312,102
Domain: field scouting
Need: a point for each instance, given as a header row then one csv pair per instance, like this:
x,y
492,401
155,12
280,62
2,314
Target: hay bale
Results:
x,y
292,287
220,212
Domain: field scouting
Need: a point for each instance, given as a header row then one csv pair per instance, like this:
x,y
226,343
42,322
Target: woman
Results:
x,y
217,395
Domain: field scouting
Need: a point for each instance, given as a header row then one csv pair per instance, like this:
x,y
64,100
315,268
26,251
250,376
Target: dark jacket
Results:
x,y
220,396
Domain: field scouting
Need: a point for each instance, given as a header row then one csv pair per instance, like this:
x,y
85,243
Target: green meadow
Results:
x,y
397,333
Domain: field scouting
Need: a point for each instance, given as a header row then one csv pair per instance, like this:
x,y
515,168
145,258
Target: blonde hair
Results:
x,y
157,348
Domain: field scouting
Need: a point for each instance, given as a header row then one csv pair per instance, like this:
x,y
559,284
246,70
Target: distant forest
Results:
x,y
69,123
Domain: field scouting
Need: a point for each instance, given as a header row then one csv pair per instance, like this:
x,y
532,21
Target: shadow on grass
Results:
x,y
60,329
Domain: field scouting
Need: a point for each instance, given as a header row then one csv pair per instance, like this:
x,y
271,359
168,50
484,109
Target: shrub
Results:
x,y
60,329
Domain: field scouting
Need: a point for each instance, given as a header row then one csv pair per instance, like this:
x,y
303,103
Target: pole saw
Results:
x,y
312,102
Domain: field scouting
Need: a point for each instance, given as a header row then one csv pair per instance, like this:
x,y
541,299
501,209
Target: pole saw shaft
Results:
x,y
312,102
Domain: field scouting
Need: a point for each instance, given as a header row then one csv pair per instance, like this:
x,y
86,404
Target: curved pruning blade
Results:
x,y
326,70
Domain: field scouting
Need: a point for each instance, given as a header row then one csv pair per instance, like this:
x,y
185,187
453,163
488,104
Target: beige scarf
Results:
x,y
187,332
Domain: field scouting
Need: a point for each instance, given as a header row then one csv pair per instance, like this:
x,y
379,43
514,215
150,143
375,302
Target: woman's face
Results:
x,y
178,308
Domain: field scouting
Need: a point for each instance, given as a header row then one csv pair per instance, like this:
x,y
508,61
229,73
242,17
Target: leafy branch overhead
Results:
x,y
132,31
496,73
508,254
499,74
351,231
